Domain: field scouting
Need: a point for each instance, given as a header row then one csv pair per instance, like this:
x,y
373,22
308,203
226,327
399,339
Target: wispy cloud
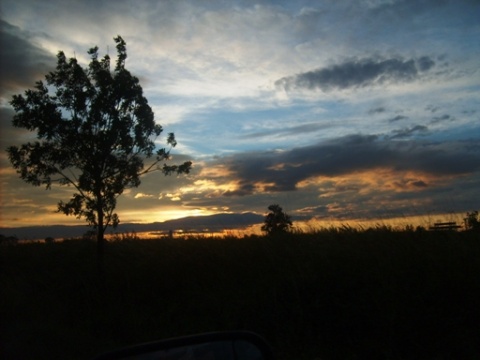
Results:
x,y
442,118
308,128
407,132
398,118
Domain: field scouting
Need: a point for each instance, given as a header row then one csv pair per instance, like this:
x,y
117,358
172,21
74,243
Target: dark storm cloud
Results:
x,y
9,134
358,73
21,61
21,64
282,171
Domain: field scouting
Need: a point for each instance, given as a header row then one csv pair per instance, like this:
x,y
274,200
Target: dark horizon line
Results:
x,y
215,222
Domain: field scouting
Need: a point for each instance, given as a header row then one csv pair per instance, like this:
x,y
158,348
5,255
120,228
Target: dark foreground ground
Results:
x,y
329,295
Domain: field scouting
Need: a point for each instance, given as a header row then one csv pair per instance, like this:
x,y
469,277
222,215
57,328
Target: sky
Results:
x,y
337,110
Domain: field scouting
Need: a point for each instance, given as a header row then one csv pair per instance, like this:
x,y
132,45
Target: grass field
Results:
x,y
331,294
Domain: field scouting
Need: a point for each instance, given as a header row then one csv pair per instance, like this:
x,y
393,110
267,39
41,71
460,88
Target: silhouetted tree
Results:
x,y
94,129
276,221
49,240
10,240
472,221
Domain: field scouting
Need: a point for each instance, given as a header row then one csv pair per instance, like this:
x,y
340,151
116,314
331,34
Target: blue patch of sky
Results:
x,y
224,131
469,131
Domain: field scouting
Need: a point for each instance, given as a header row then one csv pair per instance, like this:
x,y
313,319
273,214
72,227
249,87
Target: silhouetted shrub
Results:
x,y
472,221
127,236
8,240
277,221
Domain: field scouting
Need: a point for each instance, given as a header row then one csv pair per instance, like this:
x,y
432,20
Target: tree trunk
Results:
x,y
100,239
100,251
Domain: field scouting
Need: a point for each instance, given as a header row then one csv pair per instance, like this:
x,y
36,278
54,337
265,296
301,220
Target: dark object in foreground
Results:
x,y
445,226
237,345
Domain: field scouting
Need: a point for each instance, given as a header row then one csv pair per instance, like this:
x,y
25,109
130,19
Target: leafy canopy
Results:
x,y
94,130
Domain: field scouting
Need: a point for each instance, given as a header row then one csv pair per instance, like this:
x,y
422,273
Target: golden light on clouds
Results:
x,y
216,171
171,196
262,187
142,195
7,171
209,188
283,166
371,181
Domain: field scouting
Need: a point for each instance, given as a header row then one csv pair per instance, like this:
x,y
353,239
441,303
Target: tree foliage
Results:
x,y
276,221
95,129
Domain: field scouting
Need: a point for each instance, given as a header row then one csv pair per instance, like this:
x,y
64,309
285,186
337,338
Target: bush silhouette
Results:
x,y
472,221
276,221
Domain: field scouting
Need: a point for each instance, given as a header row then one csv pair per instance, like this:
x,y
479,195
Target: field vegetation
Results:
x,y
336,293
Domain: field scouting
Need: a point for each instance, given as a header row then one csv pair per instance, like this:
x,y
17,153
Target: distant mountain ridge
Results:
x,y
216,222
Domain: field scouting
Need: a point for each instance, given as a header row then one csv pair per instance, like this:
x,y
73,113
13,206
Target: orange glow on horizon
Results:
x,y
163,214
398,223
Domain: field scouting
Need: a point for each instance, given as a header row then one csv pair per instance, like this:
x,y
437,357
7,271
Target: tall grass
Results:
x,y
338,293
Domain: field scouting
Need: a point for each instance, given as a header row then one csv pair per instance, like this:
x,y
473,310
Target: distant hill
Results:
x,y
212,223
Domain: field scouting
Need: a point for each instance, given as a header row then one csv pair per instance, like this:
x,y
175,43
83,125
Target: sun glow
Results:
x,y
163,213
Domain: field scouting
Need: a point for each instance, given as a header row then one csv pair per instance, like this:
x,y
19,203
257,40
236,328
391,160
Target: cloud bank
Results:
x,y
21,61
279,171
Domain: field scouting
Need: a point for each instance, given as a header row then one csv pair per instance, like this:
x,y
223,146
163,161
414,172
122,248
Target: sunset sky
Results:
x,y
346,110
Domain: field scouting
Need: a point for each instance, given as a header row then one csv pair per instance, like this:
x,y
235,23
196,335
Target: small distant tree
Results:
x,y
94,131
10,240
49,240
472,221
276,221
